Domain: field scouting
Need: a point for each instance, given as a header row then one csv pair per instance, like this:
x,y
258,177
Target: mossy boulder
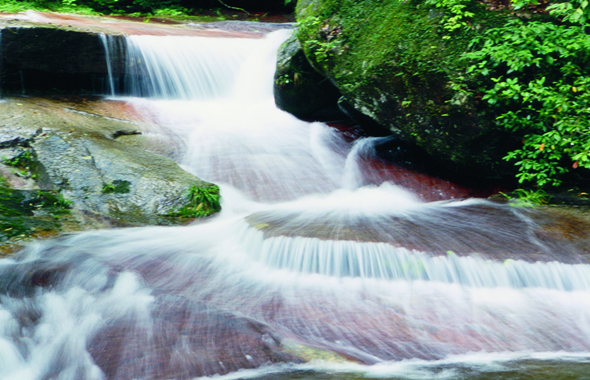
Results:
x,y
396,63
53,146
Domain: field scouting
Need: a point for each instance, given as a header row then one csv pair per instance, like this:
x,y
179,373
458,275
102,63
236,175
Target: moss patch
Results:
x,y
308,353
117,187
25,212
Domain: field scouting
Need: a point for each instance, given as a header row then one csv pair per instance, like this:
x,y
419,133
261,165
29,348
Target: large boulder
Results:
x,y
395,64
52,145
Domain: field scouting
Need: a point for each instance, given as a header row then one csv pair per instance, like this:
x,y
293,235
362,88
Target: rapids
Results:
x,y
313,269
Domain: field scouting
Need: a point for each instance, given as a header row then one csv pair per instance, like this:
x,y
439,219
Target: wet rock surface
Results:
x,y
57,146
484,229
50,60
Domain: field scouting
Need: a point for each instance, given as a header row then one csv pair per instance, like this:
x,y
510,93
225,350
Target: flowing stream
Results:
x,y
309,272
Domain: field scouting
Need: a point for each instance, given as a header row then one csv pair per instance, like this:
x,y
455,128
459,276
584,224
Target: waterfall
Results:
x,y
107,42
183,67
382,261
217,94
310,257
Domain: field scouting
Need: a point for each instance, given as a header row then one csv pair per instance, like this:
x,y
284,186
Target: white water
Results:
x,y
299,250
109,48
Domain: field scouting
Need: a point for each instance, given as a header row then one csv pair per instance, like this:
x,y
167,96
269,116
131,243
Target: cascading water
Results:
x,y
294,266
108,42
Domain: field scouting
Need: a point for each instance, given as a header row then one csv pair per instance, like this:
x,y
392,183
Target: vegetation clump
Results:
x,y
22,163
117,187
526,198
535,77
201,202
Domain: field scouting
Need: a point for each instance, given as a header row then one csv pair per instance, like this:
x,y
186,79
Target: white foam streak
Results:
x,y
106,42
476,363
353,174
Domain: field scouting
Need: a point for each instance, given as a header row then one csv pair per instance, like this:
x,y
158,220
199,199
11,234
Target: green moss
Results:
x,y
371,38
309,353
117,187
23,164
21,160
24,212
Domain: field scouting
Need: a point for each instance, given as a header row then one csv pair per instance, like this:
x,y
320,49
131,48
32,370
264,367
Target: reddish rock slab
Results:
x,y
109,25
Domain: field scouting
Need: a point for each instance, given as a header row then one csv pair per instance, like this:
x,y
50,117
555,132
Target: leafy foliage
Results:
x,y
65,6
527,198
22,163
537,81
575,11
21,160
458,13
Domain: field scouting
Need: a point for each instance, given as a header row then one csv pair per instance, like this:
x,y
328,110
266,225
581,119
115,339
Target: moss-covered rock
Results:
x,y
395,62
57,146
17,205
26,213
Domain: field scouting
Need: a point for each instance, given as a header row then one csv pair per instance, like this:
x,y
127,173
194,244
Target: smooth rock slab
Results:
x,y
79,155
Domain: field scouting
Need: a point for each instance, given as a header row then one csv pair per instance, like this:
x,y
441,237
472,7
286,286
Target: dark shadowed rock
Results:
x,y
302,91
53,50
46,59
